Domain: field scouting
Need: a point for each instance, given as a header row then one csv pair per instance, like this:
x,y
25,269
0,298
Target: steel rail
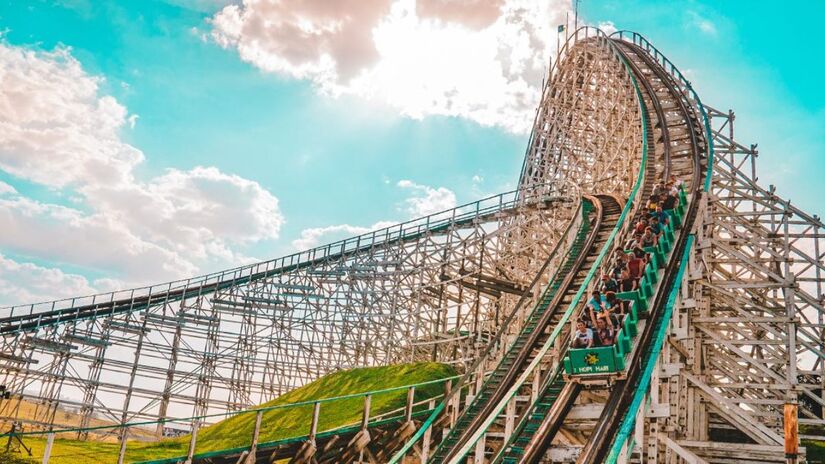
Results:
x,y
542,439
490,418
534,453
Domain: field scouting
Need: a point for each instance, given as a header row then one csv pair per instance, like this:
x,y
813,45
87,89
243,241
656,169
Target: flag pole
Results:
x,y
576,24
558,46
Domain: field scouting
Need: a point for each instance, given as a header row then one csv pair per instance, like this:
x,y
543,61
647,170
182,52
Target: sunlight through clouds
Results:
x,y
483,61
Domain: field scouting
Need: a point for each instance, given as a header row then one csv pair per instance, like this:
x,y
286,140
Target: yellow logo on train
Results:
x,y
591,359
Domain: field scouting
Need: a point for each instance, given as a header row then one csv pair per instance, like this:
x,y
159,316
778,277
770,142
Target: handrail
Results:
x,y
482,358
576,299
236,413
140,297
266,445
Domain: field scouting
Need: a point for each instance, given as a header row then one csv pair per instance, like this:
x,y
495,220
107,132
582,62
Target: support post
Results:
x,y
366,418
791,433
313,427
306,453
452,406
192,442
425,445
365,424
121,455
408,410
509,419
253,449
478,457
48,451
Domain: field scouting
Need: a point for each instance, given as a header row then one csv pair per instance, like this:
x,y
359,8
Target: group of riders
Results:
x,y
604,314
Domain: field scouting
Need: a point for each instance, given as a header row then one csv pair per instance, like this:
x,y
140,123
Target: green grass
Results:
x,y
276,424
10,458
814,450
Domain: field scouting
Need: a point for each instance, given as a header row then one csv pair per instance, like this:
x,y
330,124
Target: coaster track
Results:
x,y
684,152
544,317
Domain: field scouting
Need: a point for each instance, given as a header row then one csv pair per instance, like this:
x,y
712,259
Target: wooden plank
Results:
x,y
684,453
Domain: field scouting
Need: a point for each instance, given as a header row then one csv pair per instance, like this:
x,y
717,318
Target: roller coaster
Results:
x,y
708,346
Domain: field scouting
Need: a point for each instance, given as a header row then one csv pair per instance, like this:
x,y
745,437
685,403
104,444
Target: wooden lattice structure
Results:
x,y
747,337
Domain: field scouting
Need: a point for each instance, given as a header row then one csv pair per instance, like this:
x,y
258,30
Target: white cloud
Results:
x,y
96,241
476,14
315,236
477,187
6,189
426,200
707,27
607,27
422,200
57,130
476,59
193,206
26,282
700,22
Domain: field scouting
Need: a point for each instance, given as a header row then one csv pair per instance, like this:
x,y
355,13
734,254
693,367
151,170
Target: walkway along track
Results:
x,y
544,317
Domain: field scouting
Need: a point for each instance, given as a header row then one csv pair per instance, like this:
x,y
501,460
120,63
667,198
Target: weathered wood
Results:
x,y
313,427
791,411
684,453
306,453
408,408
365,417
243,458
256,432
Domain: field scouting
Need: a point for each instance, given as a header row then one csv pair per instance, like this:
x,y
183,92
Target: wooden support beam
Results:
x,y
313,427
408,408
684,453
253,448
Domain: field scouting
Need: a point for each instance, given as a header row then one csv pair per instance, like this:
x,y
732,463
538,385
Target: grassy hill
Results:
x,y
278,423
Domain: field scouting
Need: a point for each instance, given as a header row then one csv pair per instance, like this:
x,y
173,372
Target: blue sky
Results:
x,y
204,111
